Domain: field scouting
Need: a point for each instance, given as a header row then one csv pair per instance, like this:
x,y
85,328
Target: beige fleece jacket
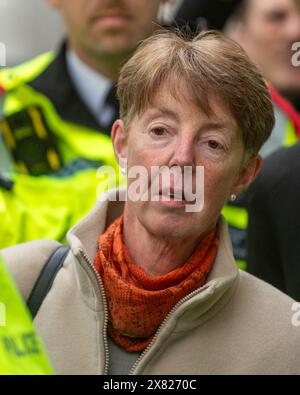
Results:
x,y
235,324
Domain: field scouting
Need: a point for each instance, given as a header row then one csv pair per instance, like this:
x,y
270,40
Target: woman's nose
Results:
x,y
183,153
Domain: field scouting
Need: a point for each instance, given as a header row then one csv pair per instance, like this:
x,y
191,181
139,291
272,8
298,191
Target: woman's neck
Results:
x,y
155,255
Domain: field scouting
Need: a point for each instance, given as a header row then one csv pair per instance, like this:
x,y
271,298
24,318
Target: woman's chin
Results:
x,y
169,225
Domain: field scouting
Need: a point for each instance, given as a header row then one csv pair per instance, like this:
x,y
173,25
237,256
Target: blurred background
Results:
x,y
28,28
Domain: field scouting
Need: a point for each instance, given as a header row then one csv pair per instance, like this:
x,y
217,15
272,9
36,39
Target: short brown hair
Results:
x,y
210,64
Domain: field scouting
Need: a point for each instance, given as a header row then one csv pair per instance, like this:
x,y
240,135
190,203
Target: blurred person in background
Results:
x,y
56,110
267,31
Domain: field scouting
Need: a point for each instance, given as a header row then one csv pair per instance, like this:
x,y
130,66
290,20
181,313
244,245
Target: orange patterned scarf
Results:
x,y
138,302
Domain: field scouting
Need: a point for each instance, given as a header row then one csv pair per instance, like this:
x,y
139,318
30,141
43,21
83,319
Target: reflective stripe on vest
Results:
x,y
21,351
74,140
12,77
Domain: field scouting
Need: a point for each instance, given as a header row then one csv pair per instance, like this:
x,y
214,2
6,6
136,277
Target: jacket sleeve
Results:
x,y
25,262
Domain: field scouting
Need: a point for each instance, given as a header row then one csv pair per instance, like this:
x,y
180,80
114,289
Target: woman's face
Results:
x,y
176,133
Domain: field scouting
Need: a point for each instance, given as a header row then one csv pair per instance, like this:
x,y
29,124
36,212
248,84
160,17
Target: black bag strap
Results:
x,y
46,278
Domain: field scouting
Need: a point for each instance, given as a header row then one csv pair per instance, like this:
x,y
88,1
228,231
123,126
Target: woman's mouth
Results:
x,y
172,198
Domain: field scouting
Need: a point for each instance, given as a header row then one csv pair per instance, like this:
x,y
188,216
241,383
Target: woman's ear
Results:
x,y
119,139
249,172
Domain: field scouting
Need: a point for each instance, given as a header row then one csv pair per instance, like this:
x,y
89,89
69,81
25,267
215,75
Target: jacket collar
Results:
x,y
56,83
221,282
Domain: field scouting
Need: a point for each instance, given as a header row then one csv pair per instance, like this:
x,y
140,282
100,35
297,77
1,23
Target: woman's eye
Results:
x,y
158,131
214,144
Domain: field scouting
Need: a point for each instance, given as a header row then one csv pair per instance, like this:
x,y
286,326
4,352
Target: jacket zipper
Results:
x,y
106,348
160,328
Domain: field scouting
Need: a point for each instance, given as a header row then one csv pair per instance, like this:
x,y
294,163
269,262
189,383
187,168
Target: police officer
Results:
x,y
58,108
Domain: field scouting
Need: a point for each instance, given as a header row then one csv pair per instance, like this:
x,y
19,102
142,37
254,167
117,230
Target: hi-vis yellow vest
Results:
x,y
47,206
74,140
21,351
